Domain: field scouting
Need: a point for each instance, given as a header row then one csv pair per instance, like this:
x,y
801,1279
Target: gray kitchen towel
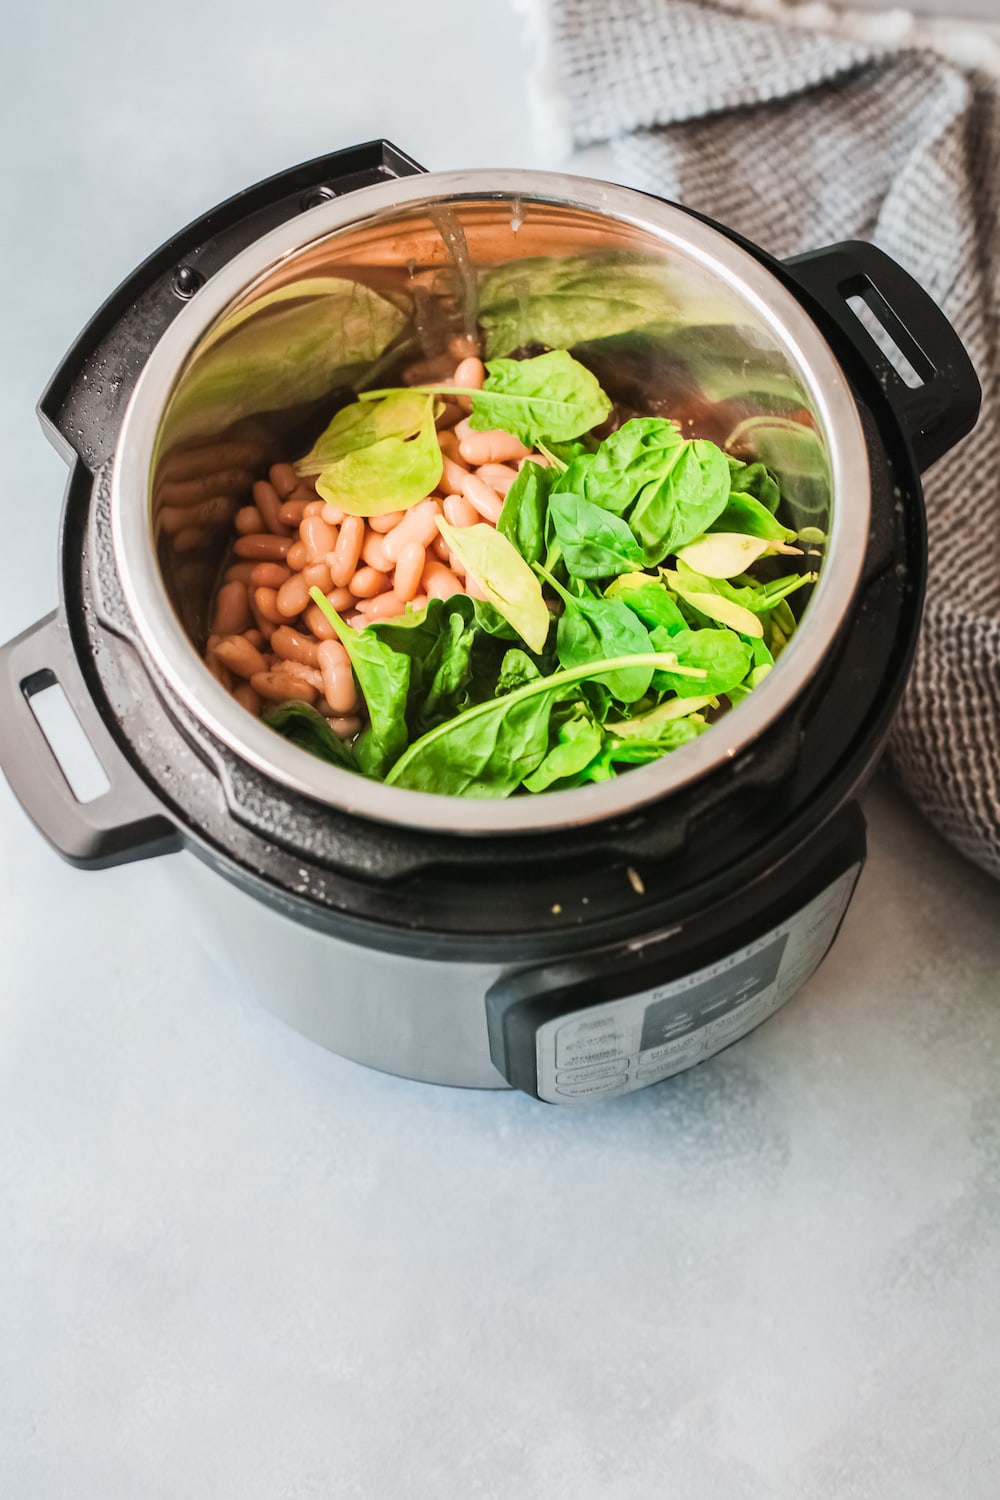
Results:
x,y
798,138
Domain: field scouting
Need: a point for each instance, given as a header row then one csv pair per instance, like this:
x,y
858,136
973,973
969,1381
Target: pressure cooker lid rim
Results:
x,y
171,653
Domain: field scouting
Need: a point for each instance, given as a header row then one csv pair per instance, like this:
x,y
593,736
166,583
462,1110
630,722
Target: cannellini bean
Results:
x,y
533,458
318,624
247,698
248,520
265,627
356,620
345,725
292,597
383,607
441,549
232,609
292,512
409,569
439,582
266,601
498,476
268,502
472,588
386,521
418,525
255,638
420,602
263,548
341,599
494,447
338,679
459,512
240,572
452,475
236,653
315,507
284,479
317,576
278,687
367,582
374,554
269,575
486,501
344,558
298,557
332,514
471,372
448,443
298,669
317,536
293,646
219,672
463,428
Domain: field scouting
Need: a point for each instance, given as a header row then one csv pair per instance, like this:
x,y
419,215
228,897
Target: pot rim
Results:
x,y
169,649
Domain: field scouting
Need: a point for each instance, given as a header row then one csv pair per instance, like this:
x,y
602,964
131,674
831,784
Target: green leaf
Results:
x,y
724,554
592,630
401,414
392,473
629,461
522,519
504,577
383,677
551,396
577,743
721,656
489,749
516,669
648,598
301,724
293,346
651,725
745,514
754,481
594,543
690,495
637,751
447,673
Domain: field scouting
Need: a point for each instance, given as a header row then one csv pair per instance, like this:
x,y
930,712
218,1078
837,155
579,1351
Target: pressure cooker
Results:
x,y
576,944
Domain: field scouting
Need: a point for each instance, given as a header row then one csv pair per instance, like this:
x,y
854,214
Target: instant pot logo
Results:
x,y
723,991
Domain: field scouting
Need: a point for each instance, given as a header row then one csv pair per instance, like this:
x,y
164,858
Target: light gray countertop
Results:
x,y
236,1267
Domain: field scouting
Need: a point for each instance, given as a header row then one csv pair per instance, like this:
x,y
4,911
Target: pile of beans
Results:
x,y
270,643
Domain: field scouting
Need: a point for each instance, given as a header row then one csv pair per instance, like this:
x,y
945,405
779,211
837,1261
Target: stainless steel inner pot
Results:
x,y
674,317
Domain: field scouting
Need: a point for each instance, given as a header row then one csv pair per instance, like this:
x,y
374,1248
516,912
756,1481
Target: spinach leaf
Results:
x,y
591,630
401,414
577,743
390,474
639,454
551,396
383,676
648,598
491,622
725,554
594,542
722,657
738,608
522,519
301,724
489,749
691,494
744,513
447,672
515,670
637,751
650,726
504,577
755,481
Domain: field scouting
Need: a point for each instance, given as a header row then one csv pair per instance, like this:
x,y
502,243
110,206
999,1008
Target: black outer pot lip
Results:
x,y
170,654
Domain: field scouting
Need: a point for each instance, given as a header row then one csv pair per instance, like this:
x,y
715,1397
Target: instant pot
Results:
x,y
578,944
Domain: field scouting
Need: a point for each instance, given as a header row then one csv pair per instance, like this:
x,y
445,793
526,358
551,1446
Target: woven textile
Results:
x,y
798,138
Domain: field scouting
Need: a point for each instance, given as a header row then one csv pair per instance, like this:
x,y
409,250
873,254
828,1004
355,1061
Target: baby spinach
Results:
x,y
551,396
724,554
363,423
577,742
639,454
754,481
744,513
690,495
722,658
488,750
516,669
301,724
594,542
383,675
522,519
648,598
504,577
392,473
591,630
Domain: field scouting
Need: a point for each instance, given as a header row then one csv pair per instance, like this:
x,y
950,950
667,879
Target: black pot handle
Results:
x,y
125,822
944,407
